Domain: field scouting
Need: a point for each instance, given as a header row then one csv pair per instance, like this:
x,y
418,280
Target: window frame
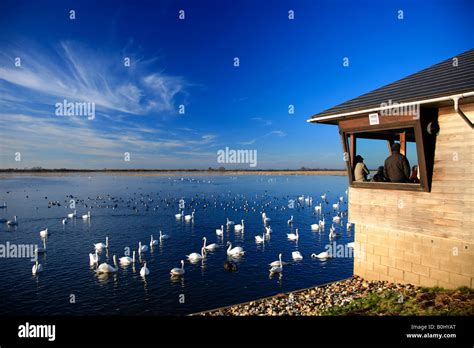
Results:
x,y
423,186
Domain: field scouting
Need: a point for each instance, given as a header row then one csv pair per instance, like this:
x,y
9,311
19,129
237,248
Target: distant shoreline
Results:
x,y
171,172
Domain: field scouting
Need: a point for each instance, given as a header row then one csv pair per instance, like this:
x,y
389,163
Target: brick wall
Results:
x,y
408,257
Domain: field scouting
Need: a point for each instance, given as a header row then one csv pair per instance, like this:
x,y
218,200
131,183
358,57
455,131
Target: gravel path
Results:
x,y
315,300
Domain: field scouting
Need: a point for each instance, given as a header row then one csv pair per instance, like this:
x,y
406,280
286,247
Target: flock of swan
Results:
x,y
233,252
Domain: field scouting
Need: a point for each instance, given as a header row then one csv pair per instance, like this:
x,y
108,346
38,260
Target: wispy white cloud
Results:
x,y
261,120
278,133
250,142
75,72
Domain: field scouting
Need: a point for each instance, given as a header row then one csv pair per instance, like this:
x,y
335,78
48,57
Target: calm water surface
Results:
x,y
129,209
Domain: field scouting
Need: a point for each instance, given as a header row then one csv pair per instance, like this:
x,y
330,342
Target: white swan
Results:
x,y
332,233
100,246
127,260
64,221
163,236
13,222
278,262
279,268
189,217
229,222
323,255
179,215
260,239
178,271
142,248
196,256
335,206
4,206
144,271
72,215
93,259
265,218
290,221
349,226
153,241
323,197
220,232
37,267
336,219
293,236
268,230
87,216
240,226
296,255
341,199
318,208
315,227
44,233
106,268
322,223
210,247
237,251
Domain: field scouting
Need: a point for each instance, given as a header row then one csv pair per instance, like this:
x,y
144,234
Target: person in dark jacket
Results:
x,y
379,177
396,168
414,177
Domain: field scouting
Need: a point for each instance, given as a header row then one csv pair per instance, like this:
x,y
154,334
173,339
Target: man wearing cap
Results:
x,y
360,170
397,168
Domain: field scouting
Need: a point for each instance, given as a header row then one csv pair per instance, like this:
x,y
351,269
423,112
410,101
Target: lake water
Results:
x,y
129,209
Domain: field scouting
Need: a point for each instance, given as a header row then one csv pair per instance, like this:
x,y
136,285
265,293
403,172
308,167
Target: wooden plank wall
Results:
x,y
448,210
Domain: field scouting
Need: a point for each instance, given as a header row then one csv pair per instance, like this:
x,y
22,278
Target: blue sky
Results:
x,y
190,62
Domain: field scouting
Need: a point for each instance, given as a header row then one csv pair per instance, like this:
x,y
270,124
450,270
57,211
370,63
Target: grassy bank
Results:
x,y
426,301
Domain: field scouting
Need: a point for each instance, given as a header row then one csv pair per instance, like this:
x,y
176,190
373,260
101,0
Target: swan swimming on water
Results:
x,y
323,255
37,267
163,236
153,241
220,232
86,216
296,255
100,246
279,268
44,233
196,256
142,248
260,239
210,247
106,268
237,251
93,259
189,217
240,226
72,215
13,222
64,221
178,271
144,271
315,227
278,262
127,260
290,221
179,215
229,222
293,236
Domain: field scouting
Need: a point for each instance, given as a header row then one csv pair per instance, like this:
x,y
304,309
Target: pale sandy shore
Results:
x,y
178,173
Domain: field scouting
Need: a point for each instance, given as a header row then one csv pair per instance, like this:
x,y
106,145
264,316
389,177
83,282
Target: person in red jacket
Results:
x,y
396,168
